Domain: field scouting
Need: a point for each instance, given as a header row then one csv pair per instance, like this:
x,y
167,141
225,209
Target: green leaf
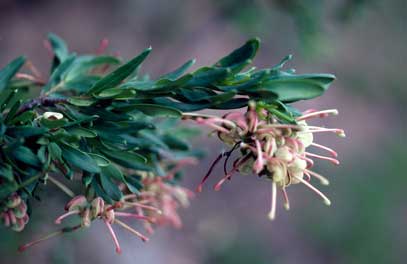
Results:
x,y
179,71
99,190
51,123
82,132
55,151
208,75
84,63
58,46
24,117
41,154
113,172
127,159
78,101
117,76
26,156
174,142
13,110
157,110
133,183
79,159
240,57
292,88
100,160
9,71
7,188
59,73
26,131
6,172
110,187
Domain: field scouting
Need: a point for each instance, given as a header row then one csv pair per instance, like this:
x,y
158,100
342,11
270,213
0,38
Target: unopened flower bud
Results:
x,y
20,210
97,207
109,216
18,226
13,201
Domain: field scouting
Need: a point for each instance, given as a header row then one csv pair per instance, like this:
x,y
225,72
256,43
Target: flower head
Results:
x,y
271,149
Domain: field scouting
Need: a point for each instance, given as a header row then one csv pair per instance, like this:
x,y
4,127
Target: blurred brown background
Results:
x,y
361,42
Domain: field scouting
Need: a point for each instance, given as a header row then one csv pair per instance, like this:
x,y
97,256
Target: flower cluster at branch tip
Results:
x,y
13,213
156,204
270,148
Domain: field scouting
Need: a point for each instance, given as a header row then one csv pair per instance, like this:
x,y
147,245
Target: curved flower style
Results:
x,y
269,148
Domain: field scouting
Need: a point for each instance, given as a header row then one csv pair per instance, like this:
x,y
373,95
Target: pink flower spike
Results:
x,y
334,161
333,152
62,217
114,237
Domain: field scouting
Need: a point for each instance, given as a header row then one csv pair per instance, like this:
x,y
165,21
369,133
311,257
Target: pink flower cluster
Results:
x,y
13,213
155,205
278,151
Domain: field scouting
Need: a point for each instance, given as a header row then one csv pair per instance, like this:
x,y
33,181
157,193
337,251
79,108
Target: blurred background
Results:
x,y
362,42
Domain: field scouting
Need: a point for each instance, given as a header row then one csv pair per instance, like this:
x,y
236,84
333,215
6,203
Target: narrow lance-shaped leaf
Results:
x,y
117,76
9,71
179,71
240,57
157,110
59,47
79,159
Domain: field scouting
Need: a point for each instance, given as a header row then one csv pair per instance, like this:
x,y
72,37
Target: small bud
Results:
x,y
21,210
18,226
97,207
13,201
109,216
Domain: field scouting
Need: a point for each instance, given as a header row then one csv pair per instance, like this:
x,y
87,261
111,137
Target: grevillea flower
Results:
x,y
156,204
160,193
278,151
96,209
